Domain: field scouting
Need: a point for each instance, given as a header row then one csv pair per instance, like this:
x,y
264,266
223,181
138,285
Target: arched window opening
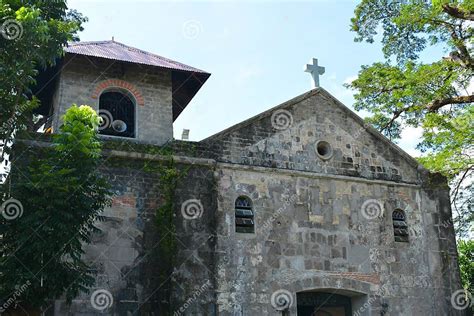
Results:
x,y
244,215
117,111
400,227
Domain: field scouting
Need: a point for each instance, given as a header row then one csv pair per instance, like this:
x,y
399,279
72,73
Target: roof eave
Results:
x,y
185,87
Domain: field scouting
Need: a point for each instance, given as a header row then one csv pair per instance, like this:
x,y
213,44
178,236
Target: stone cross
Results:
x,y
315,70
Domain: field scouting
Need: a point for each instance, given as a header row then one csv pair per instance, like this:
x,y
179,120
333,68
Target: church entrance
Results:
x,y
323,304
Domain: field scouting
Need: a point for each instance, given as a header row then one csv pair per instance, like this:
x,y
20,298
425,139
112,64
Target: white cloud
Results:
x,y
247,72
336,88
350,79
410,137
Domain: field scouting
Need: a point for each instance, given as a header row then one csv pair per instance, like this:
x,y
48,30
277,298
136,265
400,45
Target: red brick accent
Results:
x,y
370,278
124,200
117,83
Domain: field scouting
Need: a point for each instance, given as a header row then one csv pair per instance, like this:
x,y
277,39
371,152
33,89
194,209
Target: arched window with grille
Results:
x,y
400,227
244,215
117,113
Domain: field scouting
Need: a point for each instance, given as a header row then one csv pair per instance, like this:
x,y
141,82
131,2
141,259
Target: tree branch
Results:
x,y
458,185
437,104
396,114
458,41
458,13
432,107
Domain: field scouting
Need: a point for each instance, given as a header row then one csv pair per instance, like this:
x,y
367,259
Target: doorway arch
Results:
x,y
317,303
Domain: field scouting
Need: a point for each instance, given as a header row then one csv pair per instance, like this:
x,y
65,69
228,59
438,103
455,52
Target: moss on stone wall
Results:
x,y
169,174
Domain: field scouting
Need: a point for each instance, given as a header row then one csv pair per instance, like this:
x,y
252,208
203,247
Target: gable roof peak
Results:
x,y
311,93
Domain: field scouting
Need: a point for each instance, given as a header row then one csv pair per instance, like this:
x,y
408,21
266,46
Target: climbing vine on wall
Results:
x,y
169,174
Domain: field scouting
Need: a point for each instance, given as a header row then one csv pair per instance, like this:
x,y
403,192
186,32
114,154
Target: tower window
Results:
x,y
400,227
117,112
244,215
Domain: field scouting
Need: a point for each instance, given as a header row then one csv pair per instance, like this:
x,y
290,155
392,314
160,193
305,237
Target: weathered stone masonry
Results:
x,y
319,239
313,233
80,82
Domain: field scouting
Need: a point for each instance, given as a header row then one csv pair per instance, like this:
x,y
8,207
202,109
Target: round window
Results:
x,y
324,149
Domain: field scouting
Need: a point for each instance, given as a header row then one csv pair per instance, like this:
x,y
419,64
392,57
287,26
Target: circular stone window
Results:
x,y
324,149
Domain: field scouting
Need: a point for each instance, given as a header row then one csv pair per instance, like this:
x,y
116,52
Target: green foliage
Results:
x,y
408,27
435,96
62,196
36,33
466,263
169,176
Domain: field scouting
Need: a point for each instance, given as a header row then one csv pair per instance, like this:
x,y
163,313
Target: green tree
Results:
x,y
32,36
61,196
438,96
466,263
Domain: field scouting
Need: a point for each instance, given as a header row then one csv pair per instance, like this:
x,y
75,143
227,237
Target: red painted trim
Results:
x,y
117,83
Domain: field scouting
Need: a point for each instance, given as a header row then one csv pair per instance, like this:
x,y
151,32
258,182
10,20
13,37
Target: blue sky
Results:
x,y
255,51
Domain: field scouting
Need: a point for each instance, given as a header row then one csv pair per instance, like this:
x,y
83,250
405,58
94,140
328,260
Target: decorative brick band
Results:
x,y
370,278
117,83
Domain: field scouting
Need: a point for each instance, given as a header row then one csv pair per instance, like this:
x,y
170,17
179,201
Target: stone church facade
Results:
x,y
300,210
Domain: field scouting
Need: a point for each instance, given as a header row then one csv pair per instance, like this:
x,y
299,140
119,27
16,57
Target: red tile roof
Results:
x,y
118,51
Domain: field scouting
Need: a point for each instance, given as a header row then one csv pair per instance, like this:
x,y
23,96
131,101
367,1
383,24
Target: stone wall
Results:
x,y
126,253
314,230
312,233
81,79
